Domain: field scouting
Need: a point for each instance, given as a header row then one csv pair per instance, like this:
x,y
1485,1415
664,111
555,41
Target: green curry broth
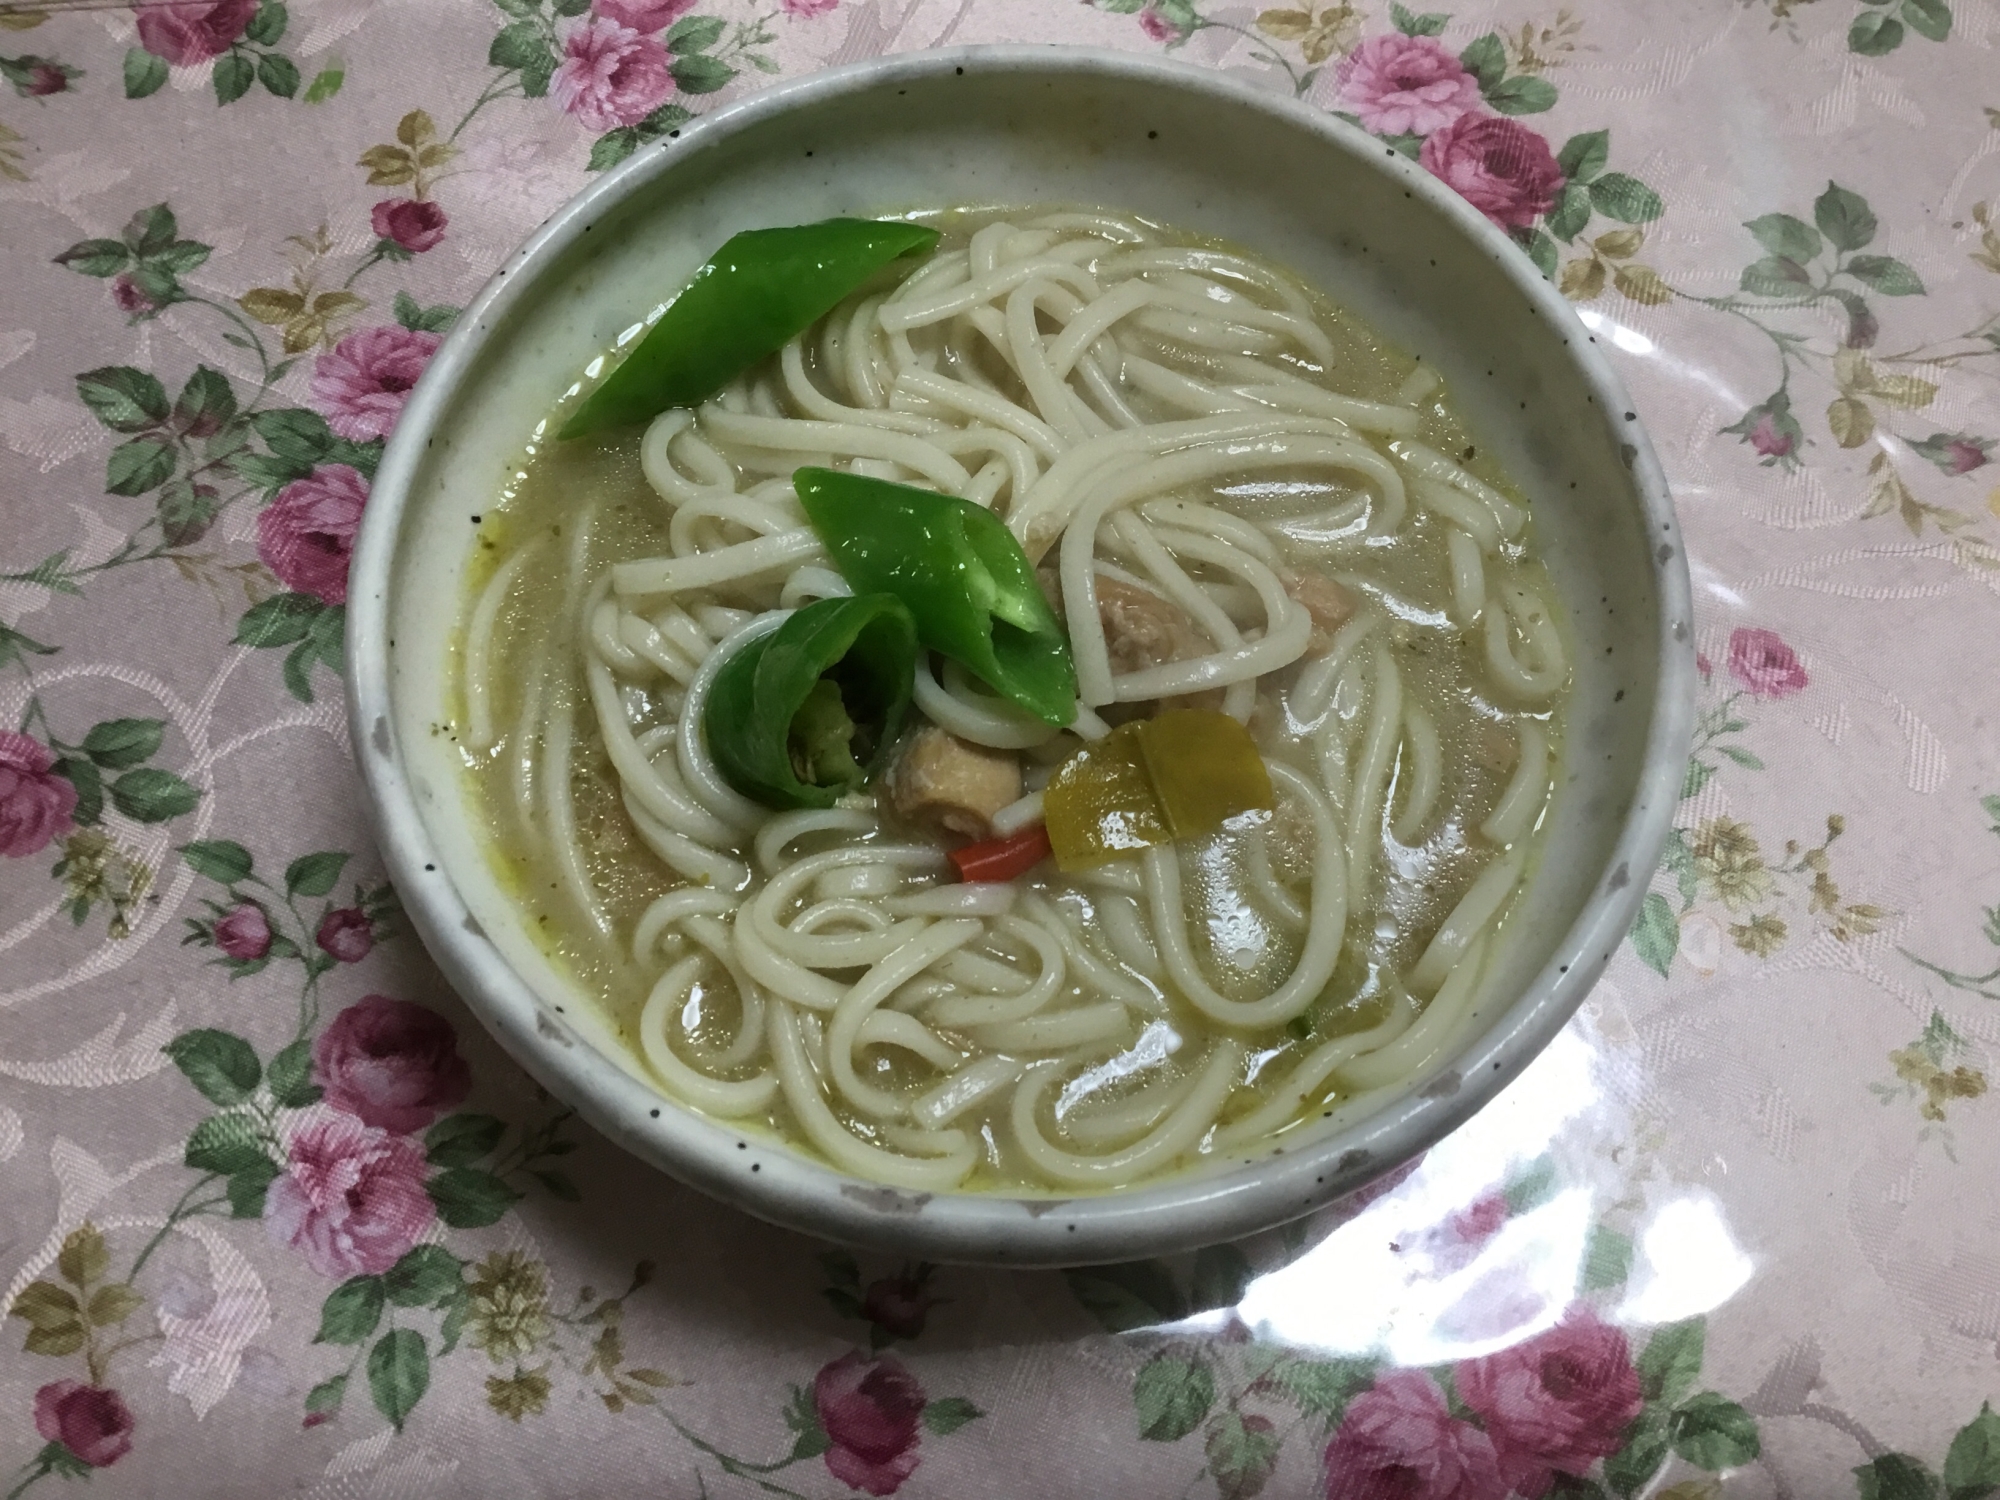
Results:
x,y
1243,951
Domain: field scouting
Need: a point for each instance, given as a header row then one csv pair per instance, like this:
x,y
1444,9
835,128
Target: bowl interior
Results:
x,y
1037,126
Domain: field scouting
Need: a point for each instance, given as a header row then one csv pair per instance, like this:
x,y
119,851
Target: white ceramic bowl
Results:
x,y
1034,125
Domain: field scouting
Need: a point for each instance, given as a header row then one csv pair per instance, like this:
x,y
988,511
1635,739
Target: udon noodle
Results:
x,y
1171,429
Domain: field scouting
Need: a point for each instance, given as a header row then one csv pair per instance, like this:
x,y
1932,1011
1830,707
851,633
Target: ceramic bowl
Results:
x,y
1034,125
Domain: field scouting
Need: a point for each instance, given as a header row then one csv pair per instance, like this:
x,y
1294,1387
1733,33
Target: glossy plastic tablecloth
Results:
x,y
276,1217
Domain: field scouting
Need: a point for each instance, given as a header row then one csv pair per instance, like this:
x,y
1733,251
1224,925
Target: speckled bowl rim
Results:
x,y
773,1182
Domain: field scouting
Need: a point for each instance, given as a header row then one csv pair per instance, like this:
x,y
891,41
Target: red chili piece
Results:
x,y
1003,859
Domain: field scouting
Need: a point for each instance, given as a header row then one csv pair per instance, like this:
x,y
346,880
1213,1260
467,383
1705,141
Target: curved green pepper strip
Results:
x,y
755,294
962,574
801,715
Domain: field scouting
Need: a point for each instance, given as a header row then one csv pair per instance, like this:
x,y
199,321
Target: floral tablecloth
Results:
x,y
277,1218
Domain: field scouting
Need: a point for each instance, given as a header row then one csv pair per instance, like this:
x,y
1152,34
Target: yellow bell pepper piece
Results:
x,y
1178,775
1100,803
1204,767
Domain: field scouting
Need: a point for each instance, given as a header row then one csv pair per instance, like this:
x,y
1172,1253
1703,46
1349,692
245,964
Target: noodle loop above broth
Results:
x,y
1236,501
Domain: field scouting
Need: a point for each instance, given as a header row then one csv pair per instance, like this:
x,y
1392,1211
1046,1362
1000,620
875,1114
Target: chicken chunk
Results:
x,y
1142,629
1330,605
941,780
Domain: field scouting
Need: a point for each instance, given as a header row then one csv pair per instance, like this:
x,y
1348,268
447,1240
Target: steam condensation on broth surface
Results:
x,y
1294,527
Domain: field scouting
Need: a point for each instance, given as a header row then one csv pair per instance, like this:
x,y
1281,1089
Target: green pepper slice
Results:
x,y
962,574
801,715
755,294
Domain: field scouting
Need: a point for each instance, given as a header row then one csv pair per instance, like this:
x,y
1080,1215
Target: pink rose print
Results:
x,y
1763,663
1399,1441
389,1063
346,934
244,934
91,1422
808,7
1480,1220
1556,1403
1457,1242
611,75
1703,665
643,15
1500,167
352,1200
306,535
1768,440
192,31
1157,26
362,382
1956,453
898,1305
125,292
35,803
416,224
869,1410
1771,430
1405,85
1963,455
42,77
